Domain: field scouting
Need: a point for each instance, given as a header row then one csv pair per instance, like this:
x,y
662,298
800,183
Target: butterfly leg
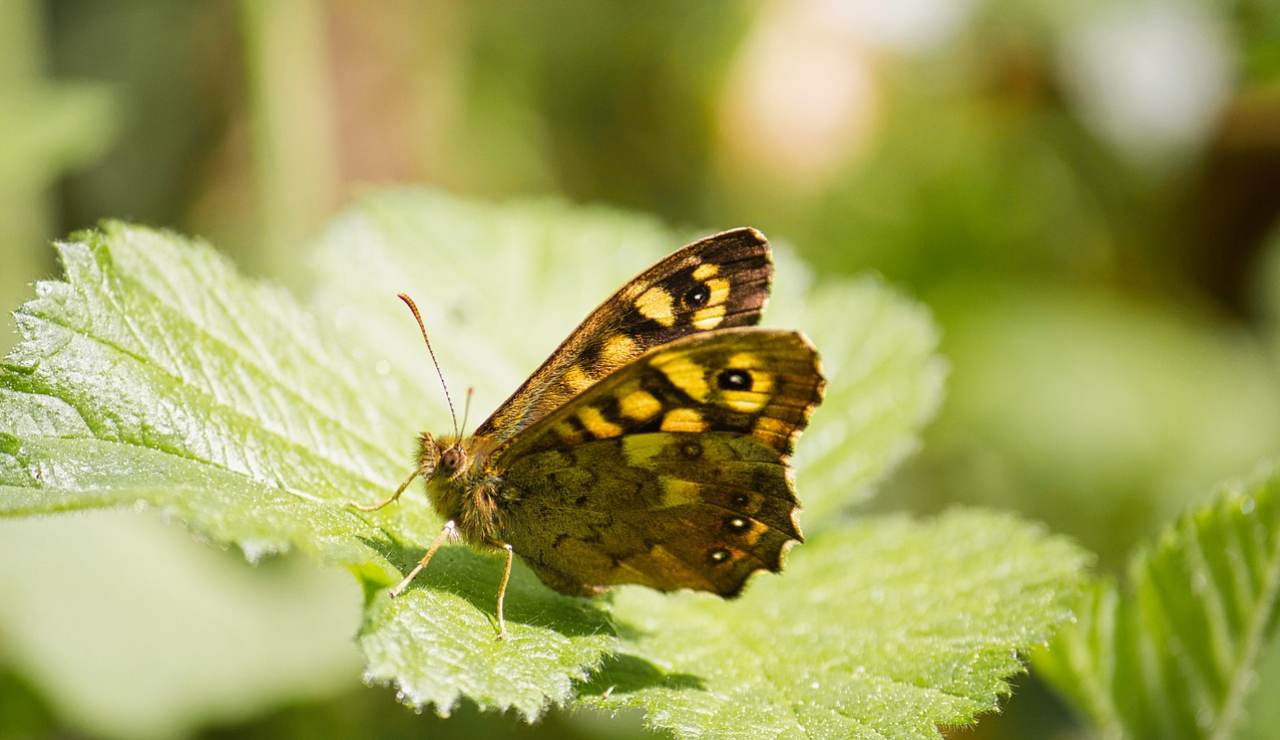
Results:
x,y
450,532
390,500
502,592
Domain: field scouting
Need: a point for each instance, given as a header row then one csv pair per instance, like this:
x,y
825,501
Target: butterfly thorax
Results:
x,y
459,488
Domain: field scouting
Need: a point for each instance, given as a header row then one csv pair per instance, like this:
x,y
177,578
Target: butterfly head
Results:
x,y
441,456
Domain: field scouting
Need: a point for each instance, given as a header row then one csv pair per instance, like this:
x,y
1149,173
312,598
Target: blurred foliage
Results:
x,y
1176,652
46,127
1110,309
130,629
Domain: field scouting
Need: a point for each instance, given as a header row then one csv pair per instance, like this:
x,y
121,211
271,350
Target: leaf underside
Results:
x,y
155,375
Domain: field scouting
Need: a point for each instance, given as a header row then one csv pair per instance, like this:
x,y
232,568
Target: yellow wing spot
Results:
x,y
600,427
683,420
655,303
708,318
684,374
567,434
618,349
770,430
745,401
577,378
706,270
676,492
639,405
747,361
641,449
719,291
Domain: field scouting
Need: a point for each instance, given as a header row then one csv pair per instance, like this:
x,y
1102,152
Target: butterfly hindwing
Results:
x,y
657,509
671,472
718,282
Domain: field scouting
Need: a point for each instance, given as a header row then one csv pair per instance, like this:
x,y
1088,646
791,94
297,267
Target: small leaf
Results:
x,y
886,628
1174,654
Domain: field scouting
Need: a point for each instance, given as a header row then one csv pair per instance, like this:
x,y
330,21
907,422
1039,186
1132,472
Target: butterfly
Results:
x,y
652,447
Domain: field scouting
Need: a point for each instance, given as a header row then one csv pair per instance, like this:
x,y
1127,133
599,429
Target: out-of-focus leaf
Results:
x,y
132,630
1102,415
1175,653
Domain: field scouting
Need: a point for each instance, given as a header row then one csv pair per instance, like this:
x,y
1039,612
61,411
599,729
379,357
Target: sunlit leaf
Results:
x,y
154,374
887,628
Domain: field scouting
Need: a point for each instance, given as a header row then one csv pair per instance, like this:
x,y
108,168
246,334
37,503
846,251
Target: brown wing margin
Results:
x,y
717,282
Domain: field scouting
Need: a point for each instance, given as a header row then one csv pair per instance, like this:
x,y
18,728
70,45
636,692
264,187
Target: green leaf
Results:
x,y
179,634
1174,654
154,374
886,628
886,385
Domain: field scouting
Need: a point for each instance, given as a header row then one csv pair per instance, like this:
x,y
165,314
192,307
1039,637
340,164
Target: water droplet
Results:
x,y
1246,505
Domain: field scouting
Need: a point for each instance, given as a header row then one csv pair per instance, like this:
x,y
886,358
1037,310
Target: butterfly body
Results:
x,y
460,490
653,446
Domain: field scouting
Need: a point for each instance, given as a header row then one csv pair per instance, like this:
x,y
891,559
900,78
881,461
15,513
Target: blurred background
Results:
x,y
1086,194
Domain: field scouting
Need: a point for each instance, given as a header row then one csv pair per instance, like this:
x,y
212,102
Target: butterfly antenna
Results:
x,y
466,406
414,308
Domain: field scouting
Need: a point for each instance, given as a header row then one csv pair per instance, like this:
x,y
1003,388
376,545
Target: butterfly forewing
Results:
x,y
671,472
718,282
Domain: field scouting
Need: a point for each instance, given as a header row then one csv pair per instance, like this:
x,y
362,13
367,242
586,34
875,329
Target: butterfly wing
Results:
x,y
718,282
671,472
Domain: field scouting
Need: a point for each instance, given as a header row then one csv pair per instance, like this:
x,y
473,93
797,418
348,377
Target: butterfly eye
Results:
x,y
718,555
734,380
451,460
697,296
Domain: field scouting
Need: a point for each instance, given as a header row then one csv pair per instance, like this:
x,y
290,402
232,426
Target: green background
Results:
x,y
1084,194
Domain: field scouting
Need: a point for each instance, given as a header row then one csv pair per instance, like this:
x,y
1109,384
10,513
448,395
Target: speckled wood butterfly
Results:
x,y
652,447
